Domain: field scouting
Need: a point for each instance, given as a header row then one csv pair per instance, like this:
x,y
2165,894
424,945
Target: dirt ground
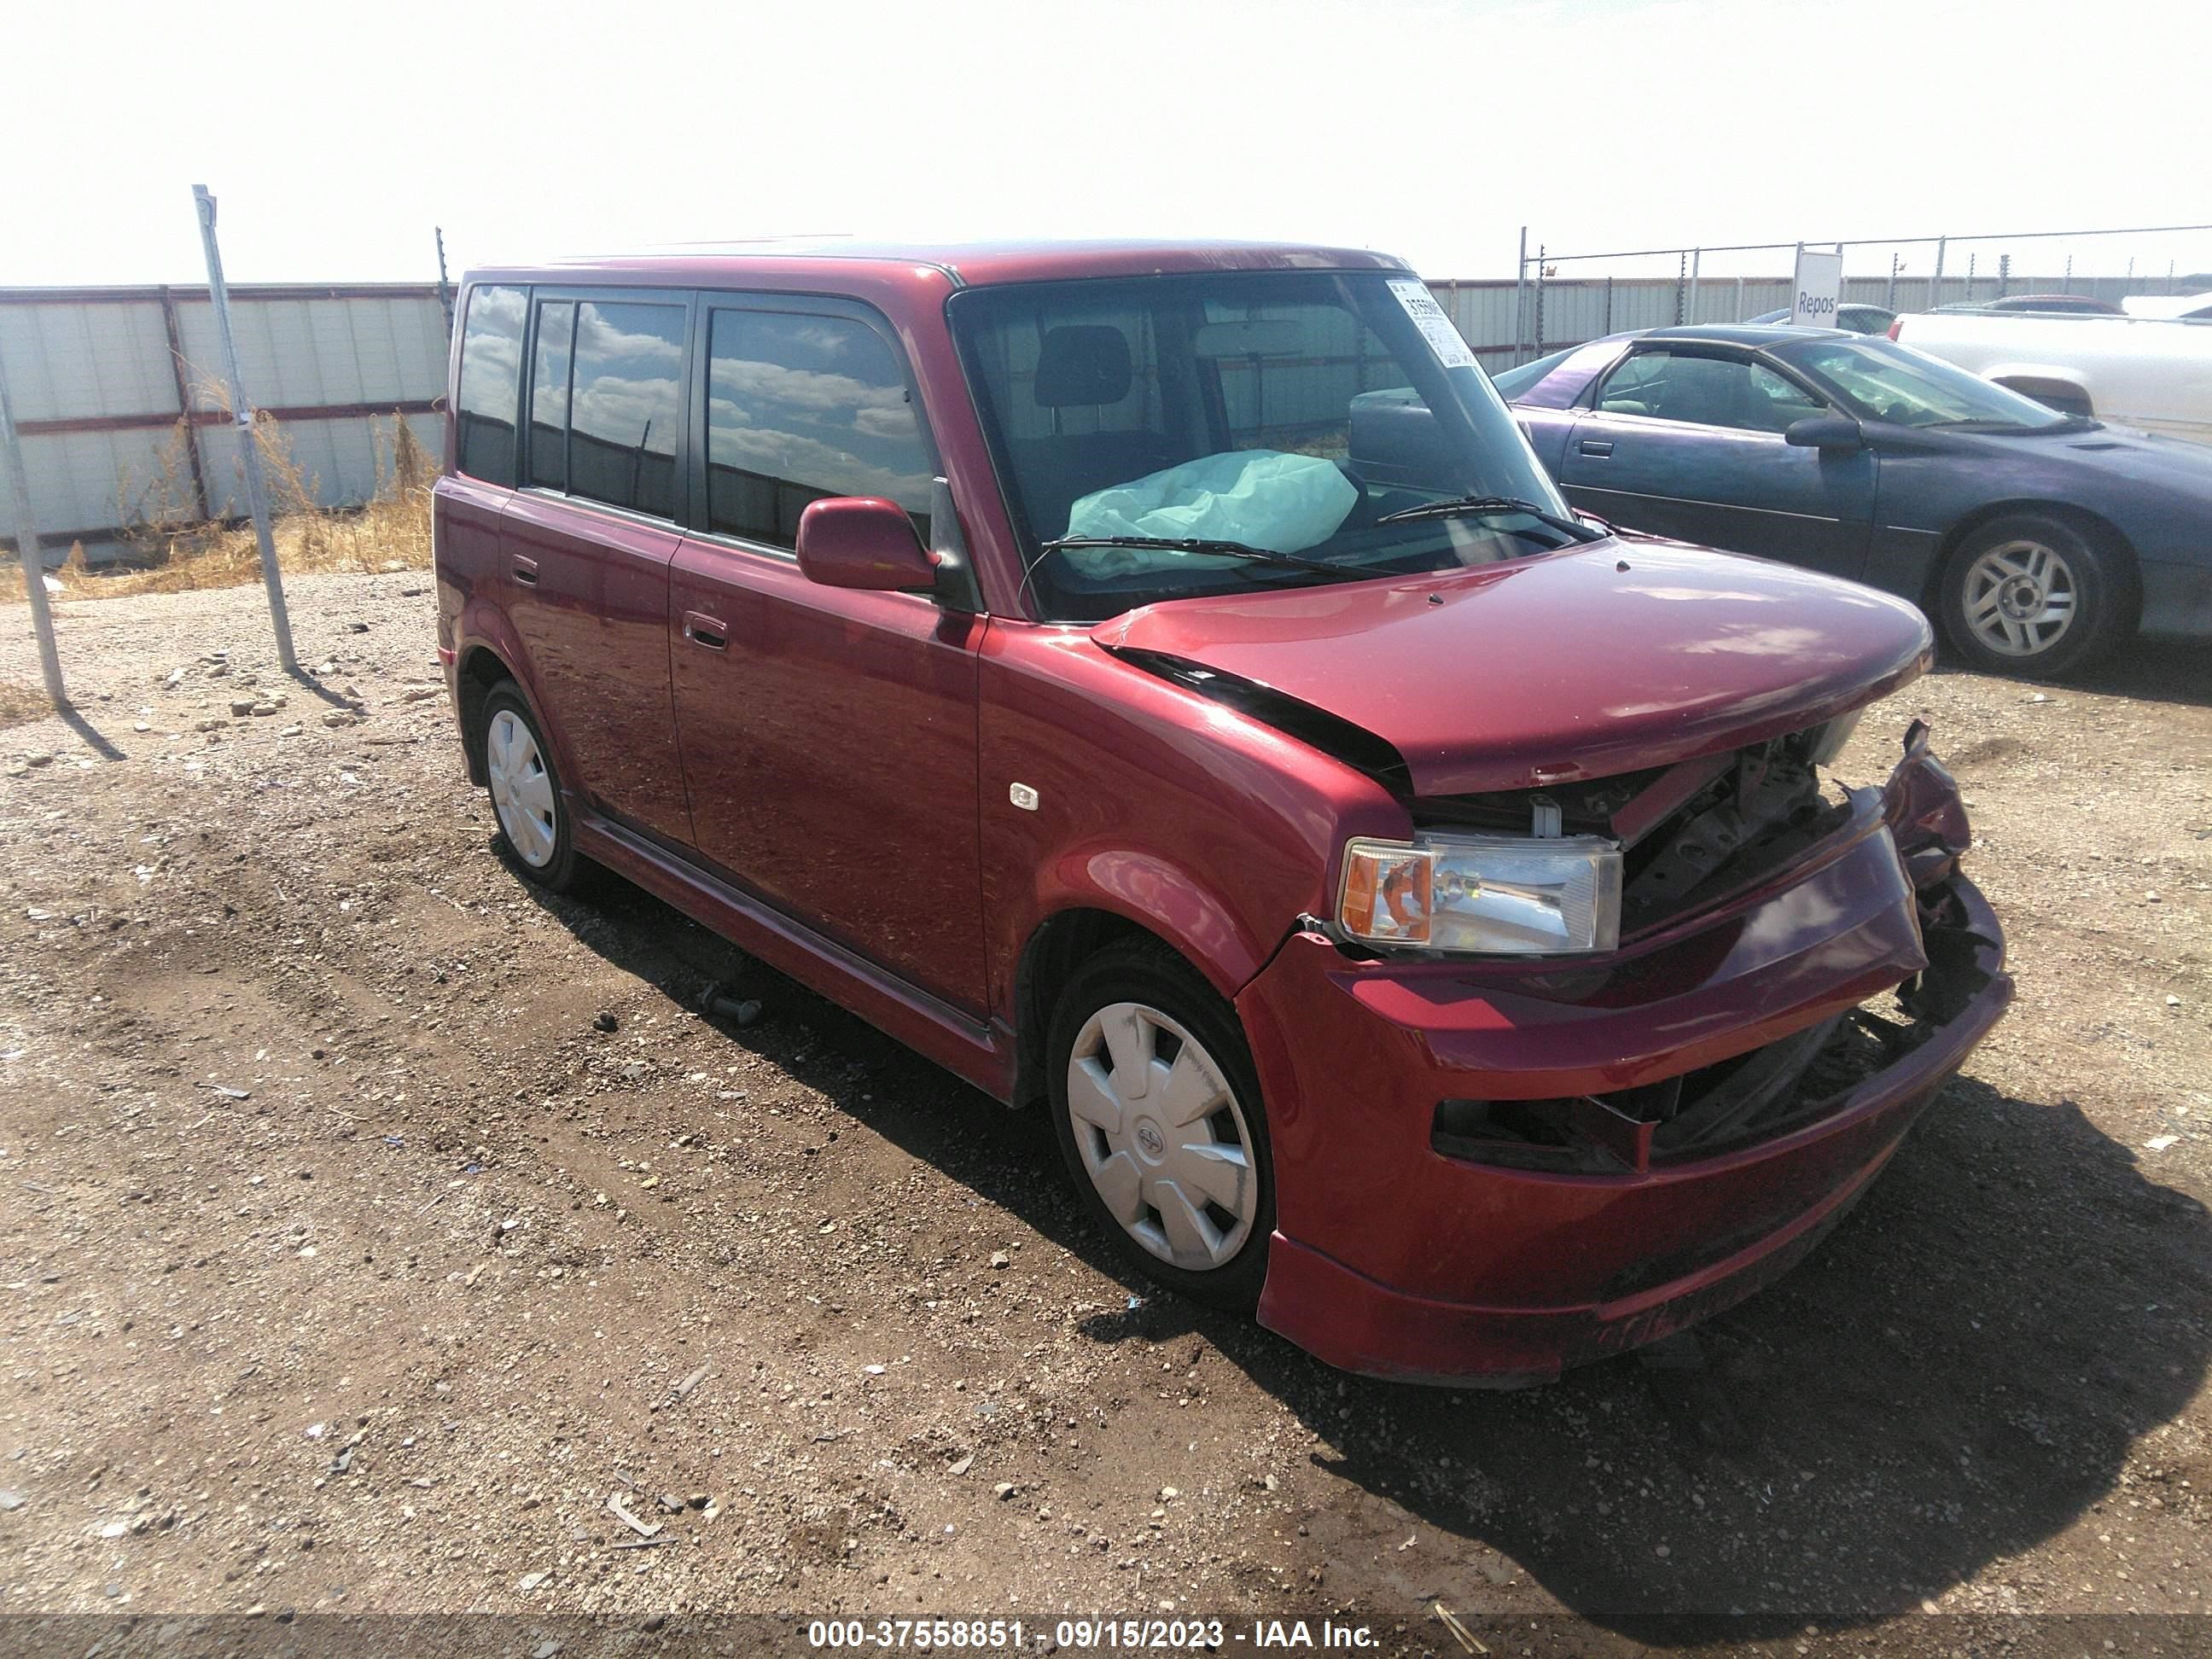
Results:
x,y
348,1265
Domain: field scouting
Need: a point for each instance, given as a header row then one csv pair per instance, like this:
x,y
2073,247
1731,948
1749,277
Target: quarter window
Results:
x,y
626,405
491,384
800,408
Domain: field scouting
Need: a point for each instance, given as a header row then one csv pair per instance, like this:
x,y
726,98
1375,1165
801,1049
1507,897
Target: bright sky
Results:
x,y
336,133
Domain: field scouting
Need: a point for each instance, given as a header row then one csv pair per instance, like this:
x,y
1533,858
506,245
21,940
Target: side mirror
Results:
x,y
1824,432
863,541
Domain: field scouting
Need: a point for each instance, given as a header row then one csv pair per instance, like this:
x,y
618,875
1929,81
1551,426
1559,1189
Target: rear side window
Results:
x,y
491,384
625,404
800,408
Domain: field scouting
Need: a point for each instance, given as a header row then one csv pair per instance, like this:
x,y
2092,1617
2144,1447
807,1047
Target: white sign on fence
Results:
x,y
1820,284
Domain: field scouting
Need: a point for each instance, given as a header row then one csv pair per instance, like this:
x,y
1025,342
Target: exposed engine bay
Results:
x,y
1688,833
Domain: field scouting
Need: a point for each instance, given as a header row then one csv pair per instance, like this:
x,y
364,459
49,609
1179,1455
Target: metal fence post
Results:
x,y
26,550
1896,264
445,290
249,451
1681,272
1539,301
1607,329
1697,259
1520,290
1935,281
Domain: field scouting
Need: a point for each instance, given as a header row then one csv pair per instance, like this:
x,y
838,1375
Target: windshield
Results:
x,y
1885,382
1289,412
1512,382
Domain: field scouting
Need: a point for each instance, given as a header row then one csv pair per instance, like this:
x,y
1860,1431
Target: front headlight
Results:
x,y
1491,894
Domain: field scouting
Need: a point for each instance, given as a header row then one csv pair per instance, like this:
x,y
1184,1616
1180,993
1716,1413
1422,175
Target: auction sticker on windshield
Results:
x,y
1436,327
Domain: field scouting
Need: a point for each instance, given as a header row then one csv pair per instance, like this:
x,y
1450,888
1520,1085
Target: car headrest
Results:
x,y
1082,363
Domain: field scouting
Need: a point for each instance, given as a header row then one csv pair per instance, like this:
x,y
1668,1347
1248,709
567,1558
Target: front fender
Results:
x,y
1162,898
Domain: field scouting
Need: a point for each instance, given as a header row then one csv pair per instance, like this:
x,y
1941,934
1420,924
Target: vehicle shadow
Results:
x,y
1960,1372
2150,670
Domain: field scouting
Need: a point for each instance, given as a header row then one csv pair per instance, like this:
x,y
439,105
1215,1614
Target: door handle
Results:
x,y
526,570
1599,447
701,628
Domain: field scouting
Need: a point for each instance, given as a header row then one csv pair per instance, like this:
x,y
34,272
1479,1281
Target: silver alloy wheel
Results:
x,y
1162,1136
2021,597
521,788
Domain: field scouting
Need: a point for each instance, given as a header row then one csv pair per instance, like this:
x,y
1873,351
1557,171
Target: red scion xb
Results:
x,y
1159,682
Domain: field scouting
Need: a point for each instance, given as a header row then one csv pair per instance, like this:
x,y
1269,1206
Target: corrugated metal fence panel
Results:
x,y
70,361
334,461
92,379
295,353
83,480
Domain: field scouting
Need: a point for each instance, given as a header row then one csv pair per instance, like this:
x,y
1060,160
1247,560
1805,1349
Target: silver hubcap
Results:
x,y
521,788
2020,599
1161,1136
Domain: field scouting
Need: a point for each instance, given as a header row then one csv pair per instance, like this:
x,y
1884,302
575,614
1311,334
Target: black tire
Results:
x,y
553,862
2078,563
1151,974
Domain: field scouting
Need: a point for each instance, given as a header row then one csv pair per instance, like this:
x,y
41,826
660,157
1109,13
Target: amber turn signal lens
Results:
x,y
1387,894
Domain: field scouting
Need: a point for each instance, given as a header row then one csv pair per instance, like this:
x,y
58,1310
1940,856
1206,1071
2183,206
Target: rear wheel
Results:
x,y
2029,595
1157,1114
525,792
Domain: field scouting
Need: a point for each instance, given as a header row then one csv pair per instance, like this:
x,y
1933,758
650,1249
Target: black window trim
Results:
x,y
683,299
789,302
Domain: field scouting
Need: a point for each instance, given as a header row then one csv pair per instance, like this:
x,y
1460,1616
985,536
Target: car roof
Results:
x,y
1744,334
968,264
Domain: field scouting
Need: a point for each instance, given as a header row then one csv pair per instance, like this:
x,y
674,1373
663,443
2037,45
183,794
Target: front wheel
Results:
x,y
1157,1113
2029,595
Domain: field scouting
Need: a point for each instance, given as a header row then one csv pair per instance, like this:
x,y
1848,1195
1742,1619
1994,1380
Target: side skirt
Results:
x,y
977,1053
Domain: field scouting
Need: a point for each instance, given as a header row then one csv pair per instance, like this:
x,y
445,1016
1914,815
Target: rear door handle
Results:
x,y
1599,447
701,628
526,571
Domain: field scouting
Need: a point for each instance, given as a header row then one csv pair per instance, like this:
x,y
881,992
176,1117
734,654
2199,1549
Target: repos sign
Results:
x,y
1819,285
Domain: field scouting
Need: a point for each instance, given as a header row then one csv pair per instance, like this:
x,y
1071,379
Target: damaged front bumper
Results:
x,y
1486,1172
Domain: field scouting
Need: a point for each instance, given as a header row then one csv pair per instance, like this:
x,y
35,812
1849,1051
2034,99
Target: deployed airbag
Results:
x,y
1261,497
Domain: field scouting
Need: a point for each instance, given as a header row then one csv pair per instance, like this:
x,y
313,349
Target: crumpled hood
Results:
x,y
1596,660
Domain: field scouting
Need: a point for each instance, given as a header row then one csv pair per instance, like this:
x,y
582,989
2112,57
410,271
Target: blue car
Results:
x,y
2038,541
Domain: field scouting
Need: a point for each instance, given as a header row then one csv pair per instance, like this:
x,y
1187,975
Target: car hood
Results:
x,y
2121,451
1587,663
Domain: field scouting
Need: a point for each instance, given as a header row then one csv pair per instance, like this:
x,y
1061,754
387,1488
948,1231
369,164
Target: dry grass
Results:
x,y
391,532
21,704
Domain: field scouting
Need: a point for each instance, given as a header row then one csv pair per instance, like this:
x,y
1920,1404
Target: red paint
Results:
x,y
821,770
863,541
1584,669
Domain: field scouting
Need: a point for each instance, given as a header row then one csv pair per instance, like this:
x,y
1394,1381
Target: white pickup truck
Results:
x,y
2152,372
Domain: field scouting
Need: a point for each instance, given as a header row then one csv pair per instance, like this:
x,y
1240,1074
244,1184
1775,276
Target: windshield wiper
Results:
x,y
1219,549
1470,506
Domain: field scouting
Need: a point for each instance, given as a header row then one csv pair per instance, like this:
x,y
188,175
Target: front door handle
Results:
x,y
701,628
1599,447
526,570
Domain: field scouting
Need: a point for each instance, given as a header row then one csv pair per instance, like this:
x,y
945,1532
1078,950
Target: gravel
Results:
x,y
776,1288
